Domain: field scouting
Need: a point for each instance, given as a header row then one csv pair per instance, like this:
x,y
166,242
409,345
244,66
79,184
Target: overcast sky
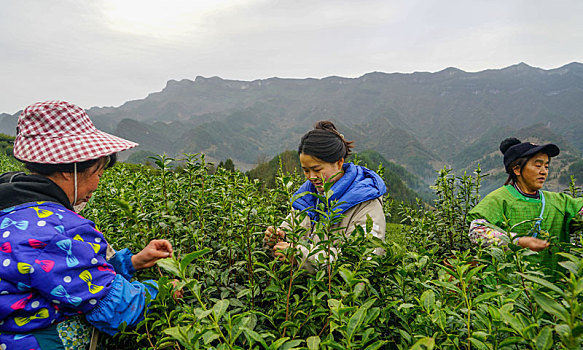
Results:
x,y
106,52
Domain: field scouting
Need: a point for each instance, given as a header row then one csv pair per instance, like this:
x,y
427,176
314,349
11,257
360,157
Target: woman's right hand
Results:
x,y
272,236
533,243
155,250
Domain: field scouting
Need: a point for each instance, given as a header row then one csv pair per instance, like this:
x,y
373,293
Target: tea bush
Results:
x,y
430,290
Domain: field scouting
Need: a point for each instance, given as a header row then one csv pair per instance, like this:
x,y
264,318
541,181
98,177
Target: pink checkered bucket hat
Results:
x,y
56,132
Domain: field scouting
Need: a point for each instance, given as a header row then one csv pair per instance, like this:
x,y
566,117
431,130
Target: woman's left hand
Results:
x,y
532,243
178,293
279,250
155,250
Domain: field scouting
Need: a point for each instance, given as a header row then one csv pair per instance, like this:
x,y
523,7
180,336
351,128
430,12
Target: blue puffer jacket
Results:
x,y
357,185
53,266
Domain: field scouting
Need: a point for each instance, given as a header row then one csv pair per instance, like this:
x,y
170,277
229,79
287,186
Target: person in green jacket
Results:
x,y
528,214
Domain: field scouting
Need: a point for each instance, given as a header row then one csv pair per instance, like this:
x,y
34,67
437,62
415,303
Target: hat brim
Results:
x,y
68,149
550,149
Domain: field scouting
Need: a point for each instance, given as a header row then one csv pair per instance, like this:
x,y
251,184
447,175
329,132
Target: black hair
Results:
x,y
50,169
521,163
325,142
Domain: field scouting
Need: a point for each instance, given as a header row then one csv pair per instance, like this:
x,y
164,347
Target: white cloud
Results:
x,y
110,51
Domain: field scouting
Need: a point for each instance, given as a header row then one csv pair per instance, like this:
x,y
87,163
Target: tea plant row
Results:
x,y
432,290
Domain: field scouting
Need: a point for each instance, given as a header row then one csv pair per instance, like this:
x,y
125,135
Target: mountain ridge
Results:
x,y
421,120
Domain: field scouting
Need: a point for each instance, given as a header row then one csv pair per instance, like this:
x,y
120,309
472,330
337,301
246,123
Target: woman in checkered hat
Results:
x,y
531,215
54,264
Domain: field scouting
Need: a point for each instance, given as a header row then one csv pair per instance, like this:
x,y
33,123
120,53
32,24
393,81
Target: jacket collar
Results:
x,y
18,188
357,185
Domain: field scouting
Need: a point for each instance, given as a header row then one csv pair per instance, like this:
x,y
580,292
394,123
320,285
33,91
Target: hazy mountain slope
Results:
x,y
485,151
149,137
422,120
442,112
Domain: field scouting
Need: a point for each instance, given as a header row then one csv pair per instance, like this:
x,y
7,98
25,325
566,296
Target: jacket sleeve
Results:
x,y
483,234
125,302
374,209
122,263
491,208
573,209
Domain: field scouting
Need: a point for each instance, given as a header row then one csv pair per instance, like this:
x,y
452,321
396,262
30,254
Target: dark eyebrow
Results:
x,y
311,167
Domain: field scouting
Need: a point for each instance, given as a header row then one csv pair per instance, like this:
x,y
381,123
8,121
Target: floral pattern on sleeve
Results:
x,y
484,235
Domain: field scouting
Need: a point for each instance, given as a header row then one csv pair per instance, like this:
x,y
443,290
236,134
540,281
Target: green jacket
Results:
x,y
508,209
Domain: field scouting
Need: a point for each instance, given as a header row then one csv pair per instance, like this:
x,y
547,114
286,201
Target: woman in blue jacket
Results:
x,y
357,189
58,275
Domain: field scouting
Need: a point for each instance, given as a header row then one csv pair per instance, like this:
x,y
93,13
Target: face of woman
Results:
x,y
534,174
88,181
317,170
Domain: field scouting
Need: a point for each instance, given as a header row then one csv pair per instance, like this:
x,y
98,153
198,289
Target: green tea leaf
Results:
x,y
479,344
369,223
544,339
405,306
170,265
278,343
485,296
179,333
550,305
428,300
313,343
376,345
188,258
571,266
511,320
356,320
255,336
510,341
542,282
291,344
220,308
358,289
209,336
426,343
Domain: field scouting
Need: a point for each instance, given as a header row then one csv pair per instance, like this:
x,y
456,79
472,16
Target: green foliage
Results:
x,y
7,161
288,162
446,225
426,292
228,165
6,143
237,296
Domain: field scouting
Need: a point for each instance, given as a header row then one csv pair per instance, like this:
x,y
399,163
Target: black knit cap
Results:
x,y
513,149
